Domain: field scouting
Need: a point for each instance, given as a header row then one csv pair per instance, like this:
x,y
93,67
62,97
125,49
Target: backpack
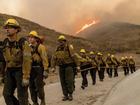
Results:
x,y
1,52
17,44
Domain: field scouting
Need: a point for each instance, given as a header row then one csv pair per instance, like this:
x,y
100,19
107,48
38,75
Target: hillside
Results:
x,y
51,35
116,36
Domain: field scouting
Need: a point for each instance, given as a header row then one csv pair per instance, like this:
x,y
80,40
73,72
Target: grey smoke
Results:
x,y
65,15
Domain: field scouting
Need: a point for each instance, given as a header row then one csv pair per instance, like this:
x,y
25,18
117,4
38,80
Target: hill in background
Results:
x,y
51,35
114,37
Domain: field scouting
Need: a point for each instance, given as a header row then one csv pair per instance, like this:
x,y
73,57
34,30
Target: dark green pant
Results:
x,y
2,68
109,71
132,68
101,74
36,85
13,80
116,71
126,70
84,78
66,79
93,75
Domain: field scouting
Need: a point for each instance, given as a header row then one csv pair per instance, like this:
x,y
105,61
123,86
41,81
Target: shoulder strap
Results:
x,y
5,42
35,49
21,42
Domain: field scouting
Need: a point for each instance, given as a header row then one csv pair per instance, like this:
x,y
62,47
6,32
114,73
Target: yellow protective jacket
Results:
x,y
84,61
109,61
93,61
131,62
63,55
124,63
40,56
18,54
101,62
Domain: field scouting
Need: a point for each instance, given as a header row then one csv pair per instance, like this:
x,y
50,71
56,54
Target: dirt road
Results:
x,y
127,92
92,95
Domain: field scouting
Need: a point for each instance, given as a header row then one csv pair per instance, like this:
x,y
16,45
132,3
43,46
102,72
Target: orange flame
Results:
x,y
86,26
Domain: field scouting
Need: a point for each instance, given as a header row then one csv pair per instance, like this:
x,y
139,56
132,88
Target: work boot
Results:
x,y
101,80
70,97
65,98
43,102
93,83
86,85
83,87
29,104
35,104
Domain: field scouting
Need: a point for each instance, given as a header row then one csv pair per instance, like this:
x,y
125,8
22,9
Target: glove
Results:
x,y
25,82
45,74
78,68
53,70
1,80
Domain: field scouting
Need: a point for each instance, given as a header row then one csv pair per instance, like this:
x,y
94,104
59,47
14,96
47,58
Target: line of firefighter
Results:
x,y
25,63
70,62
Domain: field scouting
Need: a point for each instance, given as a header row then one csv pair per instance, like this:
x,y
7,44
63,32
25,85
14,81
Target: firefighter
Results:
x,y
39,70
101,66
109,62
124,65
84,65
94,68
132,64
64,58
115,64
127,65
17,55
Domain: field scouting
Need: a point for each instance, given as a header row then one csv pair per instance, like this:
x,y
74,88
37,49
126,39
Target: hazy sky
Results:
x,y
68,16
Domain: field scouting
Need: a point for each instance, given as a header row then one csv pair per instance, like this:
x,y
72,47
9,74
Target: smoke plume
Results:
x,y
68,16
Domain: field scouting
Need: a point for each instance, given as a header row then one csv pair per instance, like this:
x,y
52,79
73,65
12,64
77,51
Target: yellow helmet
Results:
x,y
130,57
112,56
108,54
62,37
91,53
11,22
99,53
126,57
122,58
82,51
34,34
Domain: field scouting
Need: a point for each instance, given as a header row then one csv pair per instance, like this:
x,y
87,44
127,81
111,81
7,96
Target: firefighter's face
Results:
x,y
10,31
61,42
83,54
99,57
32,40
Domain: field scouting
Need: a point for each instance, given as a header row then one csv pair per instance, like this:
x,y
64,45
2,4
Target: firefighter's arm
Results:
x,y
71,50
53,61
74,55
77,60
43,54
106,65
27,60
